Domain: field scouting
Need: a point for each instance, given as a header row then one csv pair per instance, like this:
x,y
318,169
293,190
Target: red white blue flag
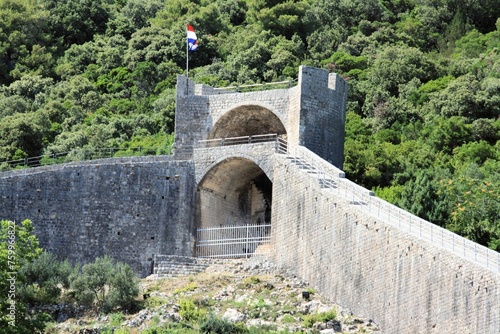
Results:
x,y
192,40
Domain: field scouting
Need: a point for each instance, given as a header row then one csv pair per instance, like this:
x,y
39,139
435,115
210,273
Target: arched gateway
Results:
x,y
232,139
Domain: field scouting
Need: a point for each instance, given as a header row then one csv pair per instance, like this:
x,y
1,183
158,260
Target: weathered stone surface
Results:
x,y
233,315
129,210
406,284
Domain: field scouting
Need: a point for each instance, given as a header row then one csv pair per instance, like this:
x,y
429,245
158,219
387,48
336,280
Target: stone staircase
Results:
x,y
324,180
175,265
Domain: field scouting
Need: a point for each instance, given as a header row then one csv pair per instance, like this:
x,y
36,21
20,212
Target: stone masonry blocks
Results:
x,y
404,284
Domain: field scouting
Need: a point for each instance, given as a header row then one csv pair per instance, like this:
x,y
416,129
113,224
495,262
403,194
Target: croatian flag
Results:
x,y
192,40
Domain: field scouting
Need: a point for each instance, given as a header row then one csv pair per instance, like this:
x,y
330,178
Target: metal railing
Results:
x,y
432,233
81,155
231,241
392,214
237,140
262,86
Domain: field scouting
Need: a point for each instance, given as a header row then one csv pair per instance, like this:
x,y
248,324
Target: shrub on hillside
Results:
x,y
105,285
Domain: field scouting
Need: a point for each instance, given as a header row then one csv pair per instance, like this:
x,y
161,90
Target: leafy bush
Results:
x,y
45,277
172,328
105,285
116,318
154,301
310,319
190,312
18,247
213,325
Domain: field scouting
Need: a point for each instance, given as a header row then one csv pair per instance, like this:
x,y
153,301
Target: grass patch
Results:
x,y
249,281
154,301
310,319
191,286
287,319
172,328
116,319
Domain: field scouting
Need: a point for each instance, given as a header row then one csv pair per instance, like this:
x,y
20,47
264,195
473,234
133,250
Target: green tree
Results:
x,y
18,247
474,203
24,38
105,285
25,132
45,276
421,196
397,65
75,21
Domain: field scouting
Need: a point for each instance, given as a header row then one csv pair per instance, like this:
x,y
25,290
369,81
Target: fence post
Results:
x,y
246,251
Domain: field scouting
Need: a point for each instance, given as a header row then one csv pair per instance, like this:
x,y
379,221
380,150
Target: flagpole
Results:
x,y
187,67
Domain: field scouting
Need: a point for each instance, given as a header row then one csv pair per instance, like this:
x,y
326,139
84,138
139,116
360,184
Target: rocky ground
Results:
x,y
254,293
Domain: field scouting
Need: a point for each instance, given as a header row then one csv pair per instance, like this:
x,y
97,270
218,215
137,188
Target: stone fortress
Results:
x,y
271,158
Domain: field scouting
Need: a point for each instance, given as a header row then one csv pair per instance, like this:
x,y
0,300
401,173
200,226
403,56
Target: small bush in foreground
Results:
x,y
213,325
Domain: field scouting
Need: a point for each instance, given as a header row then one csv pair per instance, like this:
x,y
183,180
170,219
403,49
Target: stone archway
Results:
x,y
234,192
247,120
237,193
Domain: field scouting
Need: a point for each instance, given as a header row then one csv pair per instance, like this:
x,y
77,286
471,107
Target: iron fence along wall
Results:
x,y
259,87
83,155
394,215
237,140
231,241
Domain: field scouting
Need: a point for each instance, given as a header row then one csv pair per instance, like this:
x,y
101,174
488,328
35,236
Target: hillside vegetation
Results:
x,y
423,123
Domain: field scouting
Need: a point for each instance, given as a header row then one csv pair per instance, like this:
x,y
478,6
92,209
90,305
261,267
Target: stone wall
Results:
x,y
311,114
323,99
403,283
129,209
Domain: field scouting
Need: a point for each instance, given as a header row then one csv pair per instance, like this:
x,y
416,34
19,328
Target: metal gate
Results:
x,y
231,241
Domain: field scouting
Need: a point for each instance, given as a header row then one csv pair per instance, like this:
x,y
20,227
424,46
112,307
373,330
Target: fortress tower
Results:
x,y
311,114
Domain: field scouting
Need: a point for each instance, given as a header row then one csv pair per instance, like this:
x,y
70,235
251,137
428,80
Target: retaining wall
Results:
x,y
129,209
406,285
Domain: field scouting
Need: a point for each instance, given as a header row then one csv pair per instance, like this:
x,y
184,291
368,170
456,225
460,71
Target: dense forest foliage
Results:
x,y
423,123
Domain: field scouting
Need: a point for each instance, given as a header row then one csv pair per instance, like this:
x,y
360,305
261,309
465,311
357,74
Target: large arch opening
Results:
x,y
234,200
247,120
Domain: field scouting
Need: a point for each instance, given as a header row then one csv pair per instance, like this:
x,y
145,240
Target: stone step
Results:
x,y
327,183
175,266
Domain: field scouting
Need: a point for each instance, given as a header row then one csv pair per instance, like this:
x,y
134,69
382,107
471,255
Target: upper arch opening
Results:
x,y
247,120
